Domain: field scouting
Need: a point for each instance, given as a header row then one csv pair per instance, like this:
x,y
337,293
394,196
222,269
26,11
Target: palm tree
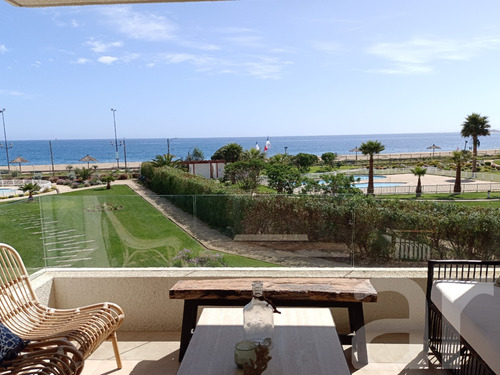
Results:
x,y
370,148
459,158
253,153
164,160
475,126
30,188
419,171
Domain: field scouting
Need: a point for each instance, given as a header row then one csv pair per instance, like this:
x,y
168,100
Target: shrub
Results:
x,y
60,181
123,176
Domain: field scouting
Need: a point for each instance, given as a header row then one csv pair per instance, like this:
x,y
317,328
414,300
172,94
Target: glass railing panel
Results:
x,y
21,227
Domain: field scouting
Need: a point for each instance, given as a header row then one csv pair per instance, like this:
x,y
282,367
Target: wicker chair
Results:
x,y
87,327
55,357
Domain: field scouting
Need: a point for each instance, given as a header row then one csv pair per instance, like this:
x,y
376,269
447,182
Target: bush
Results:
x,y
123,176
60,182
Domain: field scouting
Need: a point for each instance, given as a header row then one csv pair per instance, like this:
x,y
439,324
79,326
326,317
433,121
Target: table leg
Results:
x,y
357,323
189,316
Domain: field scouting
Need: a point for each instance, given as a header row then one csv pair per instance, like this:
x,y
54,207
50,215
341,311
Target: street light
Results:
x,y
51,158
168,145
5,136
116,142
122,143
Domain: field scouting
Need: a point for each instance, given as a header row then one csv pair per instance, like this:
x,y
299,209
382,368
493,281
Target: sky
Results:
x,y
248,68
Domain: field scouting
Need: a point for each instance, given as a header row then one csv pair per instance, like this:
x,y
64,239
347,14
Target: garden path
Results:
x,y
289,254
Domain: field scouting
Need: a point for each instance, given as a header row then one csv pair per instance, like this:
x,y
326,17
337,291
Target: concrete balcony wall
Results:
x,y
143,294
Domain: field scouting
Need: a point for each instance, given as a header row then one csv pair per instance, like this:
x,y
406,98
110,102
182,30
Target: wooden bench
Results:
x,y
271,237
284,292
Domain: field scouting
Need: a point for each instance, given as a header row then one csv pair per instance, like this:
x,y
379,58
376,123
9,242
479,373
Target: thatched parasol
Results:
x,y
88,159
19,160
433,148
356,150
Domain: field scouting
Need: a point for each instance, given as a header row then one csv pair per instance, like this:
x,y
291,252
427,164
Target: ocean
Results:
x,y
138,150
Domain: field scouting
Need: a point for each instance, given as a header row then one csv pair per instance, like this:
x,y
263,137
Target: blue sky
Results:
x,y
248,68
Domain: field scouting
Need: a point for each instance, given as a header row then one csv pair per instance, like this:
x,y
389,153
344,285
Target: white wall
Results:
x,y
144,294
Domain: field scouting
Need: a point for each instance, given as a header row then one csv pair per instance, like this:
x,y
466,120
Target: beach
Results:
x,y
58,168
28,168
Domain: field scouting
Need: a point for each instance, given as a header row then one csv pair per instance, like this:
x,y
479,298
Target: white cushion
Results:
x,y
473,309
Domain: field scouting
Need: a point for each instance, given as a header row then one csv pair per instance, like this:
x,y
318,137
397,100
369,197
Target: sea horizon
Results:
x,y
70,151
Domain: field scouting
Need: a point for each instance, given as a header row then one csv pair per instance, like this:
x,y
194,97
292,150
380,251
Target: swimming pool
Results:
x,y
365,177
362,185
8,191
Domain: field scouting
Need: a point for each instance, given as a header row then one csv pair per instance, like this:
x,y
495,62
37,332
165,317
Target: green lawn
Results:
x,y
103,228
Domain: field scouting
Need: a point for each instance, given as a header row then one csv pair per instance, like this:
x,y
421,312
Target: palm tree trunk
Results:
x,y
474,155
457,189
371,189
419,187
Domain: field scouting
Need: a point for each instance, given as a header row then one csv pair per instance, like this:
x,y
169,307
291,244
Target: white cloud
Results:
x,y
419,54
3,49
139,25
82,61
107,59
100,47
261,67
11,93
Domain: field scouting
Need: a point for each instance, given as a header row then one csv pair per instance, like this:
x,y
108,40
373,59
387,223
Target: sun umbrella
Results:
x,y
355,149
19,160
88,159
434,148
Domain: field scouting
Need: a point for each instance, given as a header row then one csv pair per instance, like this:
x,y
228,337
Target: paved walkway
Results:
x,y
301,254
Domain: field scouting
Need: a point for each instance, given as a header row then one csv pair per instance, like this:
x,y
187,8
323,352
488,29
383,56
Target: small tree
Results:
x,y
282,178
246,173
304,161
108,180
196,155
280,159
165,160
329,158
30,188
229,153
370,148
84,173
252,153
459,158
419,171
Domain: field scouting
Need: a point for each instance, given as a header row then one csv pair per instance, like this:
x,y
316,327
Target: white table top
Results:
x,y
305,342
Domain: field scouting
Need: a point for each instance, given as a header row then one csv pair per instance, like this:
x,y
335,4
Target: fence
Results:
x,y
434,189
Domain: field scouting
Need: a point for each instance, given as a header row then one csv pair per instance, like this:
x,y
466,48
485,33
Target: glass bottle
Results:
x,y
258,321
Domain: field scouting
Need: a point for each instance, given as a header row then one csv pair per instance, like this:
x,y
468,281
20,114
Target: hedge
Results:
x,y
364,224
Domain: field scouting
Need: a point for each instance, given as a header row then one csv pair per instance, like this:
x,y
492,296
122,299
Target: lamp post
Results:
x,y
168,145
5,136
125,154
286,147
51,158
116,142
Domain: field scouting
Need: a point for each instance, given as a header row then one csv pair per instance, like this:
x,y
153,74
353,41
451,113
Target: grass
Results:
x,y
103,228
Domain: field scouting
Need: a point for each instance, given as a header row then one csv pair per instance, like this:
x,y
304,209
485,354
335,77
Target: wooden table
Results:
x,y
284,292
305,342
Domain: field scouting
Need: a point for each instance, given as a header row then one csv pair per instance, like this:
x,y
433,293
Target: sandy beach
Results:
x,y
26,168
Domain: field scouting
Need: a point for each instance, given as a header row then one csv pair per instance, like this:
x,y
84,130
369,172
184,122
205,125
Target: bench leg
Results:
x,y
357,323
188,325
